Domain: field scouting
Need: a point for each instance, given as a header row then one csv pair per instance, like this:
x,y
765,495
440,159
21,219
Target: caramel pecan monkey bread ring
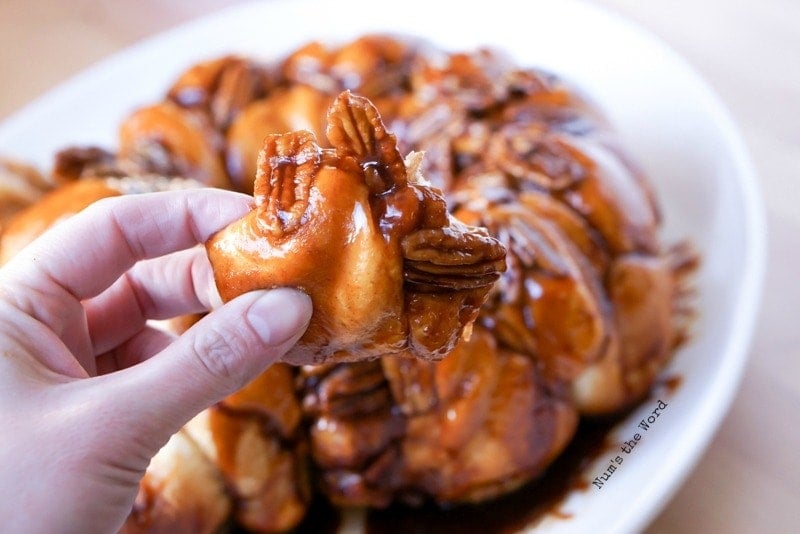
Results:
x,y
483,258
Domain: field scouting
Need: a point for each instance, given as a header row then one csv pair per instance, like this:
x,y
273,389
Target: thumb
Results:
x,y
216,357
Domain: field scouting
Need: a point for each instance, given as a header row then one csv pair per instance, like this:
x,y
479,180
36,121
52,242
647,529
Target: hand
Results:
x,y
89,391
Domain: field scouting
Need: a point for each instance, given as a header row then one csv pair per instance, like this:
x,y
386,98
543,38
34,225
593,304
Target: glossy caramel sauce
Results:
x,y
515,511
588,292
511,513
508,514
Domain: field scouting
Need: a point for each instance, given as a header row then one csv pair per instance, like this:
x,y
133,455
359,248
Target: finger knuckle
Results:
x,y
219,353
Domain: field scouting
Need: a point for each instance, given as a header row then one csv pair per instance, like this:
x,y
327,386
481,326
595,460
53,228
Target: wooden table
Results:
x,y
749,479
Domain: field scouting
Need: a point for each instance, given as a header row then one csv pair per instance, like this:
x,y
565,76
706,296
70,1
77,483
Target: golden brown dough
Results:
x,y
387,268
468,428
243,459
549,303
31,222
372,66
221,88
296,108
650,297
182,491
253,437
169,140
69,199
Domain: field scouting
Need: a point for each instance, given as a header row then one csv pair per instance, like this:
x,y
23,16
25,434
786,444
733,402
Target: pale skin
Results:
x,y
89,391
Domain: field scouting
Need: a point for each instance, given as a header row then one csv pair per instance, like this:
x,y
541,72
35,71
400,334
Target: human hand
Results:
x,y
89,392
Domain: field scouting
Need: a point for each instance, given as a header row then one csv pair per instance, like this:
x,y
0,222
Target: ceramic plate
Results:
x,y
671,122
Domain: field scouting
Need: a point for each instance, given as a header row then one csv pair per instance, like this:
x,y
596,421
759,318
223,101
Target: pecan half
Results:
x,y
79,162
372,66
447,258
286,167
221,87
531,153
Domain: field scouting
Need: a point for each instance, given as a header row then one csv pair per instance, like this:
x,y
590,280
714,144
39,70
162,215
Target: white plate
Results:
x,y
671,121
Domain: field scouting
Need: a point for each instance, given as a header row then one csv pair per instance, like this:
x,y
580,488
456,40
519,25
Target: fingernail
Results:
x,y
279,315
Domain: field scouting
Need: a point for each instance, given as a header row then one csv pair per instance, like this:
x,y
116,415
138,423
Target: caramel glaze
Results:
x,y
472,426
170,140
182,491
387,268
221,88
512,512
295,108
248,454
589,309
526,506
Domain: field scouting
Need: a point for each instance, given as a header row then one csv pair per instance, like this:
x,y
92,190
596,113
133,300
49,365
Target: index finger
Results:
x,y
85,254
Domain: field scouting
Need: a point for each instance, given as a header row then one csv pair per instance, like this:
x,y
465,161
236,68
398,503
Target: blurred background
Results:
x,y
749,52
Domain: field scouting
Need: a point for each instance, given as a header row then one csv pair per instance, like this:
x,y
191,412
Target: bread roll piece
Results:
x,y
67,200
371,242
